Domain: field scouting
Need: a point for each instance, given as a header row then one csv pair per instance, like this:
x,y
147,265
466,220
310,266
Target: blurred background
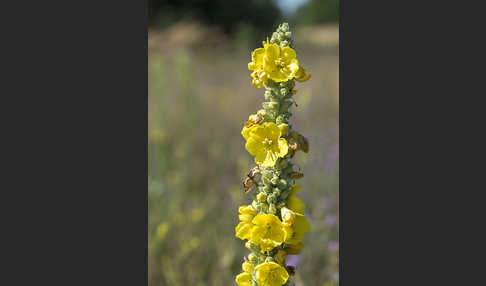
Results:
x,y
200,95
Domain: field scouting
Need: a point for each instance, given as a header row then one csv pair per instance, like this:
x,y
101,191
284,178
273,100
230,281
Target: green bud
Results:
x,y
284,43
284,194
252,258
284,27
266,189
264,207
274,180
271,198
280,119
284,91
286,104
261,197
288,34
282,184
283,163
281,205
276,191
272,106
269,259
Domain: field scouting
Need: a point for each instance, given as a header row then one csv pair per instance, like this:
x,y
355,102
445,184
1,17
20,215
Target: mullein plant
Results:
x,y
274,223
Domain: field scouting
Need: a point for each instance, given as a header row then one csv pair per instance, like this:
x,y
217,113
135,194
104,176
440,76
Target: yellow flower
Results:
x,y
264,142
301,76
280,64
247,267
271,274
245,132
243,229
268,232
295,203
299,228
244,279
259,76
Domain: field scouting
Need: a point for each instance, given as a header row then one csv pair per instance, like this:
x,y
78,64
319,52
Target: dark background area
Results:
x,y
229,15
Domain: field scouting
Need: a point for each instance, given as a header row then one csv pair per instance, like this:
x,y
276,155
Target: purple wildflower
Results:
x,y
293,260
331,220
333,246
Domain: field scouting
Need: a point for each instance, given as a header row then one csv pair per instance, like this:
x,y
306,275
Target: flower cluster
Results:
x,y
274,223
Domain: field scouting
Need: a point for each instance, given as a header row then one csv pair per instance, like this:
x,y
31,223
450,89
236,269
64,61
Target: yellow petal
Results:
x,y
272,52
257,56
260,158
301,76
243,230
272,131
254,146
271,274
284,128
247,267
288,54
296,188
244,279
296,204
270,159
247,210
283,147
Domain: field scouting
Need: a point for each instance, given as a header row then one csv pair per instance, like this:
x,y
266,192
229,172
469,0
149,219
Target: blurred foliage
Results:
x,y
200,95
317,11
226,14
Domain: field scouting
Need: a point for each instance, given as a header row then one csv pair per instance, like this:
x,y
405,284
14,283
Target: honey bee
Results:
x,y
296,175
292,148
254,172
250,180
290,269
248,184
254,119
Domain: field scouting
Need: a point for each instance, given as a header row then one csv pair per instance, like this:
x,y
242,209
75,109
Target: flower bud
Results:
x,y
274,180
284,194
272,106
252,258
280,119
284,27
271,198
284,43
276,192
286,104
266,189
282,184
261,197
264,207
284,91
248,245
269,259
288,34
